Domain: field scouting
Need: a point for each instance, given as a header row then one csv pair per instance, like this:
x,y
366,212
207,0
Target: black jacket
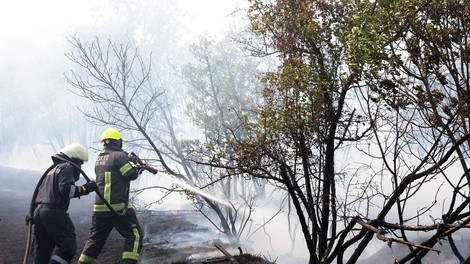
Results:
x,y
114,171
58,185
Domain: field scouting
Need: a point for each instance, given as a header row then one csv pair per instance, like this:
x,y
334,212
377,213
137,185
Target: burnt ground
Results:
x,y
169,236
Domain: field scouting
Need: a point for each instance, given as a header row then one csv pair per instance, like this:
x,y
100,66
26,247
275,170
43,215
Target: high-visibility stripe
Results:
x,y
135,249
73,190
137,240
87,259
59,259
130,255
103,208
126,167
107,186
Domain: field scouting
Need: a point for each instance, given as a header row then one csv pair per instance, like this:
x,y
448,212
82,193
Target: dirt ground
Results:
x,y
169,236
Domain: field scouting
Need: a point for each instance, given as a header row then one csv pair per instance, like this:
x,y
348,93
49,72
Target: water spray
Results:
x,y
196,190
185,185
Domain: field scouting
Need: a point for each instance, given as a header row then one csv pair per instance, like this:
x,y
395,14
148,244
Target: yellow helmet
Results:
x,y
110,133
75,151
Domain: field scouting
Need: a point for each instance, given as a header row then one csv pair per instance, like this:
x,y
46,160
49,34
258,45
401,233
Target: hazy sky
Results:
x,y
33,38
41,20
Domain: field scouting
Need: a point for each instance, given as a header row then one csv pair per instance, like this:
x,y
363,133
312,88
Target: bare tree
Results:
x,y
119,83
221,86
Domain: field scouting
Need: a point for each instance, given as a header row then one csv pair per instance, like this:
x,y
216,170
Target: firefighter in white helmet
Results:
x,y
53,228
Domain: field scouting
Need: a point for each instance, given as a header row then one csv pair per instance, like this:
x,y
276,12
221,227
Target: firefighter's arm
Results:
x,y
65,182
127,168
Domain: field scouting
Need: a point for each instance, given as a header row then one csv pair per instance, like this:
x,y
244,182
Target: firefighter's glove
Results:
x,y
140,168
29,219
89,187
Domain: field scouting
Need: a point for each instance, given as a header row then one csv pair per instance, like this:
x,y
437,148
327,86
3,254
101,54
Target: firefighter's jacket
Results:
x,y
114,171
59,184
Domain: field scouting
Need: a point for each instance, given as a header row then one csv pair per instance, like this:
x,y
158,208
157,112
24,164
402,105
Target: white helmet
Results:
x,y
75,151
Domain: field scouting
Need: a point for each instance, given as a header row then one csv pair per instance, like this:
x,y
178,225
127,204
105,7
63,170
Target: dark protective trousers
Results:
x,y
53,227
126,225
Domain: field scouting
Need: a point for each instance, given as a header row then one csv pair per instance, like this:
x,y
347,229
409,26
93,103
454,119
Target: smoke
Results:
x,y
176,236
269,233
275,236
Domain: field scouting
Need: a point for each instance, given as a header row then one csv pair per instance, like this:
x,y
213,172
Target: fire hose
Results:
x,y
29,218
143,165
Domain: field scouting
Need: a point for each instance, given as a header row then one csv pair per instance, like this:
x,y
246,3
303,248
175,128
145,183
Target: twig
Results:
x,y
225,252
380,235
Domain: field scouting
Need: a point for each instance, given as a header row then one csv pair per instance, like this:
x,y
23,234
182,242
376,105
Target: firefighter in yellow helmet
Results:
x,y
53,227
114,172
